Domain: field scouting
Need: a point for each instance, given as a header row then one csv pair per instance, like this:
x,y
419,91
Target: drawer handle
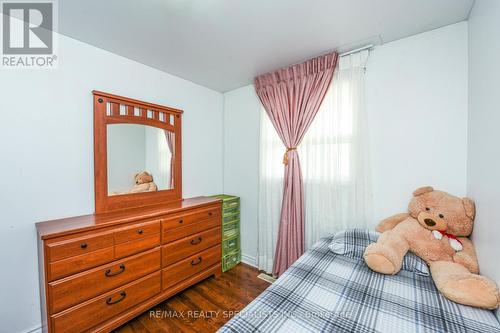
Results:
x,y
109,300
109,273
181,221
196,241
210,213
194,262
83,245
140,231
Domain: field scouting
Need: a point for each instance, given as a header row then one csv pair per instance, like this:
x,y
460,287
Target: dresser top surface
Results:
x,y
70,225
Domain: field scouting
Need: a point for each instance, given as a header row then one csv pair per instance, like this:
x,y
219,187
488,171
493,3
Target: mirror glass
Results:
x,y
140,159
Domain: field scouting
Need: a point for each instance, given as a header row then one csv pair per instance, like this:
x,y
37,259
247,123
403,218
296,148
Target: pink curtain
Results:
x,y
292,96
170,143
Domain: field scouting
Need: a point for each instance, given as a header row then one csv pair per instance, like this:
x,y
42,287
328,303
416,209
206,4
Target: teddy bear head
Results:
x,y
143,177
437,210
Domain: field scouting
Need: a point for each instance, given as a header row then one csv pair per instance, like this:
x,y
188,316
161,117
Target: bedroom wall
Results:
x,y
484,136
416,97
47,153
241,161
417,107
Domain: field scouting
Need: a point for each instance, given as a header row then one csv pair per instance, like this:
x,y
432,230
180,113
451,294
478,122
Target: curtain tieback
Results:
x,y
285,157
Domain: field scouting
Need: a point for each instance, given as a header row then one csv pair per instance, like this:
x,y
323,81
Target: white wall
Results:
x,y
484,135
46,150
417,107
241,161
417,114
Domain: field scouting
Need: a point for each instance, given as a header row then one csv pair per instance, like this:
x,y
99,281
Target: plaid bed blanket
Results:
x,y
327,292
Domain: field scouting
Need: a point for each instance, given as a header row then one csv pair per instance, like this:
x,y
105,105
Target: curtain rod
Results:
x,y
359,49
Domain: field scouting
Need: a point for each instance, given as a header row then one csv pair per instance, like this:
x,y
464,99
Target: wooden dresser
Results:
x,y
99,271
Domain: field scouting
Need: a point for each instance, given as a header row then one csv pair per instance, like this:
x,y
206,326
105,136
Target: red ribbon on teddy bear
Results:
x,y
450,236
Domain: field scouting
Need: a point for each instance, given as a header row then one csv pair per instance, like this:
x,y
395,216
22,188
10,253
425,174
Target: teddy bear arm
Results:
x,y
467,257
390,222
386,255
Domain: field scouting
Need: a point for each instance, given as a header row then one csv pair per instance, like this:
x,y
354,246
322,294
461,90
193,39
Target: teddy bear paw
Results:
x,y
437,234
376,258
456,245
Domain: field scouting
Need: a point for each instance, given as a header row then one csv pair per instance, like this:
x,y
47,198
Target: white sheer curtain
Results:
x,y
270,192
334,160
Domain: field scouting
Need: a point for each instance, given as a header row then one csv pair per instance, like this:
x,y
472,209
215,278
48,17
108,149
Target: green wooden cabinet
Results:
x,y
231,252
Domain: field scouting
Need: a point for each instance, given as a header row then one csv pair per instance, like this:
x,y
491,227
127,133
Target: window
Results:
x,y
334,161
325,150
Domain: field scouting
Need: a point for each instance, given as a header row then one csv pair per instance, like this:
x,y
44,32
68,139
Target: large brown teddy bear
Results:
x,y
436,230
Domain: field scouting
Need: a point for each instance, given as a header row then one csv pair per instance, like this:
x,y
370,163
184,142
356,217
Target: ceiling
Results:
x,y
224,44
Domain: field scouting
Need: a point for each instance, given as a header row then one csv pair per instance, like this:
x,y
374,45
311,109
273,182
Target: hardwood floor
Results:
x,y
204,307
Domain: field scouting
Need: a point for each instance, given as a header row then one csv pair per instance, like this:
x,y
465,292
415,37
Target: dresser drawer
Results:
x,y
137,231
187,246
73,247
190,266
97,310
190,217
170,235
81,287
68,266
129,248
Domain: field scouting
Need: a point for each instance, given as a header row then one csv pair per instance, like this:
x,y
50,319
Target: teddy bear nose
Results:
x,y
430,222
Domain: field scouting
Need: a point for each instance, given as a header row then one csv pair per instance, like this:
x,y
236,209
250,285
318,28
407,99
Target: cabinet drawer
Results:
x,y
97,310
170,235
231,260
133,247
231,203
78,288
190,266
190,217
68,266
78,246
137,232
187,246
230,230
230,211
231,218
230,245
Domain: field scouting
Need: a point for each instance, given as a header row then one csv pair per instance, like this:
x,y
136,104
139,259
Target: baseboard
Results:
x,y
37,329
249,260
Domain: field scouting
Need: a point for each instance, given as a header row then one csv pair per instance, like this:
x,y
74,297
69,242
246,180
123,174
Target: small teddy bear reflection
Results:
x,y
143,183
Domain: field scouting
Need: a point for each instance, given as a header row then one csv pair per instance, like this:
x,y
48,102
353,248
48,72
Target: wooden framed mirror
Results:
x,y
137,153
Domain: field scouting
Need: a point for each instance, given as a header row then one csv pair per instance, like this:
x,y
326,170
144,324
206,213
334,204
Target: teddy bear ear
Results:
x,y
470,207
422,190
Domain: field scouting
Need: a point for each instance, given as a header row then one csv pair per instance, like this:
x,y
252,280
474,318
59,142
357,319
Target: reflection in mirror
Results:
x,y
140,158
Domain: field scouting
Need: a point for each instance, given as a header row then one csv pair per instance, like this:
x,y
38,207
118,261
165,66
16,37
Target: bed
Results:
x,y
328,292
